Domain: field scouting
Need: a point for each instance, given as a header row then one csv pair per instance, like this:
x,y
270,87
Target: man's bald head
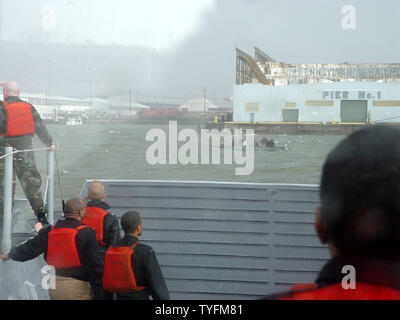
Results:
x,y
11,89
74,208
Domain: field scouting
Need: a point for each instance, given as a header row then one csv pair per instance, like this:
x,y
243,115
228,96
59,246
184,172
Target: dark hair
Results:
x,y
130,221
73,206
360,193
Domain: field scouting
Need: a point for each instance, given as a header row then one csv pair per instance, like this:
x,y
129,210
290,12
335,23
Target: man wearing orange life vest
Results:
x,y
19,121
131,269
359,219
99,218
71,248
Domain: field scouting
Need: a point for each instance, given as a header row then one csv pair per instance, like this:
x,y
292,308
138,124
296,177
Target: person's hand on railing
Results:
x,y
4,256
41,216
53,147
38,226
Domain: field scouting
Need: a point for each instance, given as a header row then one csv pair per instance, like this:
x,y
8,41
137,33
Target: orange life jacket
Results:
x,y
363,291
118,274
95,219
19,119
61,248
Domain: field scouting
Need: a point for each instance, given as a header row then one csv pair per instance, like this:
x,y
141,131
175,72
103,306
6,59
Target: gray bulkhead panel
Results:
x,y
217,240
213,240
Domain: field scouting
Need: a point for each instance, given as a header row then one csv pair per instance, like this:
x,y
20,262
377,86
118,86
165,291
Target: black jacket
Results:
x,y
147,272
111,230
86,244
374,271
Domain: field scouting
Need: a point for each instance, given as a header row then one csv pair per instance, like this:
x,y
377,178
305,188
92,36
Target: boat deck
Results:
x,y
214,240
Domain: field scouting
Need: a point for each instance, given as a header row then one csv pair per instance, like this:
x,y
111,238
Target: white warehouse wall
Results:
x,y
272,99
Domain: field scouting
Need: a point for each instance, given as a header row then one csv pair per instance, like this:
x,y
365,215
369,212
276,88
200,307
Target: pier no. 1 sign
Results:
x,y
351,94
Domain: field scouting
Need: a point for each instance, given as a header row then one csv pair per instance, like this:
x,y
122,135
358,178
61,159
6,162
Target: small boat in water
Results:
x,y
284,148
268,144
263,143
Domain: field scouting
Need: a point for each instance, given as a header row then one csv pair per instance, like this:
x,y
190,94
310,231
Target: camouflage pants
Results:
x,y
24,167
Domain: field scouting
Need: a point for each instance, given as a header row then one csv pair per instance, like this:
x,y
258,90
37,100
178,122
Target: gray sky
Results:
x,y
308,31
151,23
195,39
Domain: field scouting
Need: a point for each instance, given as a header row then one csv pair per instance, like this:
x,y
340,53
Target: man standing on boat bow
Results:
x,y
19,121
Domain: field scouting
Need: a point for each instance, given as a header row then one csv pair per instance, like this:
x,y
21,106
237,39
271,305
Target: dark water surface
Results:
x,y
112,151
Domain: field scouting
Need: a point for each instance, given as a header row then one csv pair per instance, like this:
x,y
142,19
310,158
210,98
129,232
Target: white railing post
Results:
x,y
7,200
50,190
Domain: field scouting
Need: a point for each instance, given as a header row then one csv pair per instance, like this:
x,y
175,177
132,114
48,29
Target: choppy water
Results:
x,y
119,152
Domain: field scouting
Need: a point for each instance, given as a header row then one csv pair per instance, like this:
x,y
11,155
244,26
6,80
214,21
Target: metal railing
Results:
x,y
8,194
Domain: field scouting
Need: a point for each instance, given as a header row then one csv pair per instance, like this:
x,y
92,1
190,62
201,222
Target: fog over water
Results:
x,y
119,152
196,48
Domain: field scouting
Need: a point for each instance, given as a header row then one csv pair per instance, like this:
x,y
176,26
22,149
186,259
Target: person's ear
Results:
x,y
82,213
320,226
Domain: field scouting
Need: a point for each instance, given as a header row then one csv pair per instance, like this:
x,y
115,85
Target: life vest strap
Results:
x,y
133,247
78,228
305,286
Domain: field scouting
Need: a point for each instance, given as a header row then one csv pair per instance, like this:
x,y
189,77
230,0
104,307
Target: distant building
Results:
x,y
122,106
121,109
270,91
50,107
198,105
